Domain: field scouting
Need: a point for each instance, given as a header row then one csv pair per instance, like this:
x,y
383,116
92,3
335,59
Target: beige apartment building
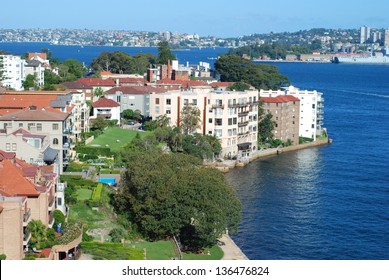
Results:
x,y
26,193
285,111
231,116
57,128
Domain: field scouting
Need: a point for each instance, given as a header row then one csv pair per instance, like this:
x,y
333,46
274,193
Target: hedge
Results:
x,y
98,151
96,195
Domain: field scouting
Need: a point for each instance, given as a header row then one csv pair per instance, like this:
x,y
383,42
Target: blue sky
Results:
x,y
205,17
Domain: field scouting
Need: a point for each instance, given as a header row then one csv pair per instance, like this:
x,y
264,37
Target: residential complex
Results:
x,y
311,113
231,116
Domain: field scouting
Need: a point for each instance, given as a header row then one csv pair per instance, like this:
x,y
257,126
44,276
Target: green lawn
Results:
x,y
159,250
116,138
111,251
215,253
84,194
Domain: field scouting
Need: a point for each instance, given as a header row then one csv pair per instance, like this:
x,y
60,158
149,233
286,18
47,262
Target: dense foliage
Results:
x,y
174,194
122,63
237,69
164,53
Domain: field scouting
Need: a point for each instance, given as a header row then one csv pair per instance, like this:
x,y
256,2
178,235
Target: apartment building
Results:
x,y
311,109
26,193
55,126
107,109
285,111
133,97
231,116
14,72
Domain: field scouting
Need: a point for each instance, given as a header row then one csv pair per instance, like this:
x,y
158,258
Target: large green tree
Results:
x,y
31,82
122,63
236,69
173,194
71,70
190,119
164,53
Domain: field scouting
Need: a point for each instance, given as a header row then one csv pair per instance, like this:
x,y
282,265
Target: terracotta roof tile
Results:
x,y
105,103
97,82
34,115
135,90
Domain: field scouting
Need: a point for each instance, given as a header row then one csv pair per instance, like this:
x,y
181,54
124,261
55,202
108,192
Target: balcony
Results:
x,y
241,124
243,114
51,202
243,133
214,106
26,217
26,236
320,117
51,220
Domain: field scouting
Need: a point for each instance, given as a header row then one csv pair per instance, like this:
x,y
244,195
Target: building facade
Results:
x,y
285,112
14,72
231,116
311,109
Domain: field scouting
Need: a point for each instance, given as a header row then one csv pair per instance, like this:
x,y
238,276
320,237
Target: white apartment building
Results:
x,y
311,109
13,71
231,116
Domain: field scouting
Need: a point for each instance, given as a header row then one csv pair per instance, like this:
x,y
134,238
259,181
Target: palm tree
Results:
x,y
38,231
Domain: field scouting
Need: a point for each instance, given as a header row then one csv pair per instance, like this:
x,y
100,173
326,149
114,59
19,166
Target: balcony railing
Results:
x,y
27,215
243,114
217,106
243,133
26,236
243,123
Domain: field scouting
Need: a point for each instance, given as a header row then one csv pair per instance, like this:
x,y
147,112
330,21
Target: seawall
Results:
x,y
227,165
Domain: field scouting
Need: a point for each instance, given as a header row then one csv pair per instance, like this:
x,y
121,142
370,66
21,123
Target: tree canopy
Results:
x,y
173,194
164,53
122,63
236,69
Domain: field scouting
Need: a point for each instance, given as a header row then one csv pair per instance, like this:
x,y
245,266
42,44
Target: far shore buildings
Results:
x,y
231,116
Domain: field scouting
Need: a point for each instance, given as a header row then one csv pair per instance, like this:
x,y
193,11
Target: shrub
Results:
x,y
117,234
96,195
59,218
3,257
99,151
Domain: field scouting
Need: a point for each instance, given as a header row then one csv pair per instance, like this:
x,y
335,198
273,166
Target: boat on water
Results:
x,y
361,59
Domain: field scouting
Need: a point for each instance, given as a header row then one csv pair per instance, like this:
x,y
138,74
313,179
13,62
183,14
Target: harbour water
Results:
x,y
330,202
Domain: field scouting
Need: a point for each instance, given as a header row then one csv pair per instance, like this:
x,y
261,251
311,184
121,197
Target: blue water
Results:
x,y
109,181
87,53
330,202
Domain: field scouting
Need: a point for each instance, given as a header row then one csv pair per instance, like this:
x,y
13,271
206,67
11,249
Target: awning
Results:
x,y
244,146
50,154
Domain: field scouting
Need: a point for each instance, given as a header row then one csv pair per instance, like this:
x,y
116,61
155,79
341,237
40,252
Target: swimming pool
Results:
x,y
109,181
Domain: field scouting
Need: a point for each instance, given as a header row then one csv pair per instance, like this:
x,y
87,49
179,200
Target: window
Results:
x,y
230,132
313,125
194,102
55,141
157,110
313,106
8,146
39,127
59,201
186,101
168,101
13,146
168,111
20,124
210,132
210,120
118,98
55,126
157,101
218,132
229,121
235,120
219,122
30,125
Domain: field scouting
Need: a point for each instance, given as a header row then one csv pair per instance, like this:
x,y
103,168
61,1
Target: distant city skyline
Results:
x,y
206,18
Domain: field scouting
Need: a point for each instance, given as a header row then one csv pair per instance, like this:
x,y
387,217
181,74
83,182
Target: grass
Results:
x,y
111,251
158,250
116,138
215,253
84,194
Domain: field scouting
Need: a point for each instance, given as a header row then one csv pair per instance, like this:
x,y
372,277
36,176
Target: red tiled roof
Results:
x,y
105,73
76,85
279,99
141,81
135,90
13,183
221,84
97,82
41,55
6,155
105,103
25,133
21,101
34,115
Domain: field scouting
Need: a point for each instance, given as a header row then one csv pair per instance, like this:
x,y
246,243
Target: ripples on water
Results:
x,y
330,202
